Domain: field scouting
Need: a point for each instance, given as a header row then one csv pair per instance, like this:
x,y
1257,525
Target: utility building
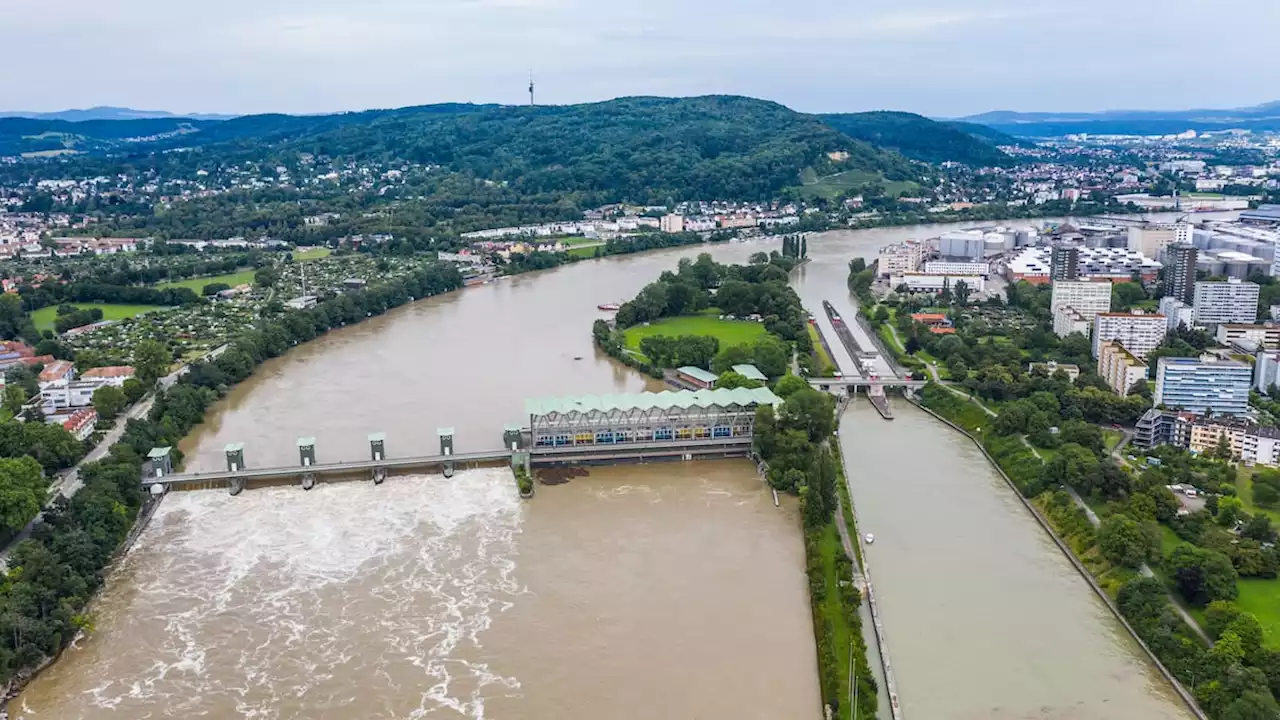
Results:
x,y
663,417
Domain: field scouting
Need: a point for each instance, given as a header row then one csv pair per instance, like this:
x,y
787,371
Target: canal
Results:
x,y
636,592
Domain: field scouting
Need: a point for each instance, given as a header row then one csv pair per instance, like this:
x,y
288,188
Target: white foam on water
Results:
x,y
285,597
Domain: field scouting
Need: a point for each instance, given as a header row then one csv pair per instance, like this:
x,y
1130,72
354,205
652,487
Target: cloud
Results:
x,y
932,56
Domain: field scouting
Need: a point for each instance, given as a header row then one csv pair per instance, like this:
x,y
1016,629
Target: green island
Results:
x,y
794,442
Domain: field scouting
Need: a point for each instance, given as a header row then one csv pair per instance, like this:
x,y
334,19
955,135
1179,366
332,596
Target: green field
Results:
x,y
832,186
585,251
312,253
197,284
44,317
1262,598
728,332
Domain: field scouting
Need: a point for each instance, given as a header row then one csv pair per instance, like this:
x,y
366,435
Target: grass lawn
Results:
x,y
1262,598
312,253
197,284
1244,489
728,332
824,360
44,317
585,251
1112,438
841,633
575,241
832,186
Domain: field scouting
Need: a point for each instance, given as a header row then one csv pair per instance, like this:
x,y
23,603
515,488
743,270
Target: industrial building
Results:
x,y
1033,264
670,416
1203,385
928,282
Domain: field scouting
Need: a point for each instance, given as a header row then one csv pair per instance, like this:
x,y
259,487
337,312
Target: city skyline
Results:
x,y
820,56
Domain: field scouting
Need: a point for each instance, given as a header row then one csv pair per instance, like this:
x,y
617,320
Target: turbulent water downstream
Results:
x,y
660,591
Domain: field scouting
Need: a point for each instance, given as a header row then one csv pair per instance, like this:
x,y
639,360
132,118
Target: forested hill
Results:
x,y
641,149
918,137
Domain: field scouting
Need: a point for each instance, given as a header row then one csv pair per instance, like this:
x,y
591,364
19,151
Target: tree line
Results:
x,y
54,574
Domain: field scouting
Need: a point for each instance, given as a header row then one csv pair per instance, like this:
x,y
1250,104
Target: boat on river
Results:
x,y
611,307
869,537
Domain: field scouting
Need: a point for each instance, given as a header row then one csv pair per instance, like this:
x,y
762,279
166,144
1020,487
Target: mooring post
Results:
x,y
235,456
446,449
378,453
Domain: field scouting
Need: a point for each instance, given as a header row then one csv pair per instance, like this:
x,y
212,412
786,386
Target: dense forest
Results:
x,y
639,149
918,137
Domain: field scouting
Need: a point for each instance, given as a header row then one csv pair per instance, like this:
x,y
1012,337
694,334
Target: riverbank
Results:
x,y
1183,694
69,564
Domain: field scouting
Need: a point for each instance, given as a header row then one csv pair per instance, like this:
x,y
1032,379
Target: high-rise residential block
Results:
x,y
1180,273
1119,367
1138,332
1064,261
1232,301
1220,387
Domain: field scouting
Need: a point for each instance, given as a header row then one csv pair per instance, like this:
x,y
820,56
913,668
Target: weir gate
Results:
x,y
641,427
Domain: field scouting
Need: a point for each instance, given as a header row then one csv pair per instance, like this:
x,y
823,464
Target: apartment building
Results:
x,y
1203,385
1138,332
1256,336
1120,368
1177,313
1087,297
1252,444
1232,301
672,223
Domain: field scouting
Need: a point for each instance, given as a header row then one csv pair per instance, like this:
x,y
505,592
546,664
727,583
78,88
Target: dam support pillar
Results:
x,y
307,457
446,449
235,486
235,456
513,440
378,453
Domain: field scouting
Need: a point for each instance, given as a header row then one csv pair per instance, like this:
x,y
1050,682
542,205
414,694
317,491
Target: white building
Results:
x,y
1087,297
1232,301
672,223
1138,332
957,267
928,282
1259,336
1177,312
1266,370
114,375
1119,367
1067,321
900,258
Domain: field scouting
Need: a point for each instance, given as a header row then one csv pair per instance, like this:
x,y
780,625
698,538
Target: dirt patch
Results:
x,y
559,475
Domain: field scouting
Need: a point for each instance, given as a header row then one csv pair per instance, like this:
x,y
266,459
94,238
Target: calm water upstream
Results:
x,y
671,591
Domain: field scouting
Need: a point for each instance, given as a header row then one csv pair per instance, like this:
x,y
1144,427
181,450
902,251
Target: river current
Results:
x,y
653,591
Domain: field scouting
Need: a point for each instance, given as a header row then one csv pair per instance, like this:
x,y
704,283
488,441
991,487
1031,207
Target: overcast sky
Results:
x,y
937,57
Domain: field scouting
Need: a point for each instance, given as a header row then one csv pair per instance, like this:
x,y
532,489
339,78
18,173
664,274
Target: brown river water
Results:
x,y
655,591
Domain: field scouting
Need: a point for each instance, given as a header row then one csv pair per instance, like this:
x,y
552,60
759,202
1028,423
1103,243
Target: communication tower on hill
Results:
x,y
530,88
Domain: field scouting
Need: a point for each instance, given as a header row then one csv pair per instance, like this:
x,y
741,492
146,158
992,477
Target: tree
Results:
x,y
1252,705
789,384
214,288
108,400
134,390
1202,576
771,356
810,411
1123,542
1230,510
730,380
14,398
730,356
881,315
151,360
857,265
1223,449
22,490
1218,615
265,276
961,292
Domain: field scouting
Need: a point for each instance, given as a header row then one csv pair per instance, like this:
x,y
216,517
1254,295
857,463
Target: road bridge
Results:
x,y
822,383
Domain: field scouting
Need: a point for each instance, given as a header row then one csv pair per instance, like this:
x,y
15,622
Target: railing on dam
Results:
x,y
158,475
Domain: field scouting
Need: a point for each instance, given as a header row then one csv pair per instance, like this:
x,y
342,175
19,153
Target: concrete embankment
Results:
x,y
869,594
1181,691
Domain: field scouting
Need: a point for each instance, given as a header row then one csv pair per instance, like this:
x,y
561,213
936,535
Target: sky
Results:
x,y
935,57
